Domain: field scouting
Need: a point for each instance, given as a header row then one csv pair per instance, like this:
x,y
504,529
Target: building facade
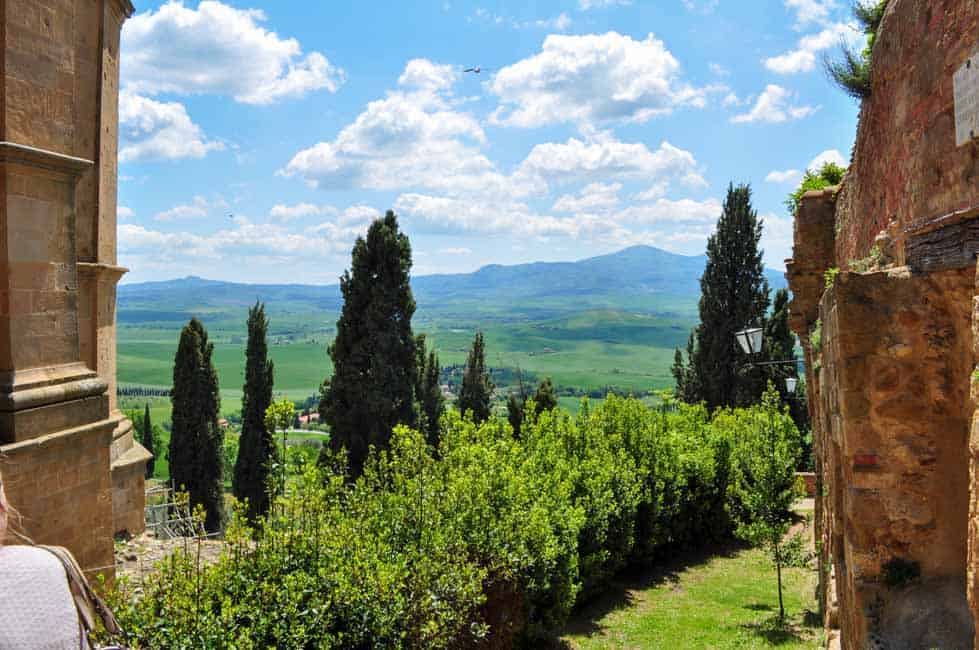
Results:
x,y
70,464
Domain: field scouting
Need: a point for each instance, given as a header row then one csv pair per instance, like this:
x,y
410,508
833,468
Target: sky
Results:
x,y
258,139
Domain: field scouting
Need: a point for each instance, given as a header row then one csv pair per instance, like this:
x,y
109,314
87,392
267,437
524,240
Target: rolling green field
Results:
x,y
585,351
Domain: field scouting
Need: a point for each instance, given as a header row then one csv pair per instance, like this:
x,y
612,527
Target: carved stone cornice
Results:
x,y
101,271
25,389
21,154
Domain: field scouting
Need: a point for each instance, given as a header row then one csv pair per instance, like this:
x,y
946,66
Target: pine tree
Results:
x,y
734,295
196,440
148,440
256,447
374,373
428,391
477,388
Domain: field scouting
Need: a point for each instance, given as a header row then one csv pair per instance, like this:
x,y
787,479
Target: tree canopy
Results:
x,y
374,353
196,440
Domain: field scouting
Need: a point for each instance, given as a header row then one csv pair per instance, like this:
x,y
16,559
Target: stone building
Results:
x,y
891,345
69,461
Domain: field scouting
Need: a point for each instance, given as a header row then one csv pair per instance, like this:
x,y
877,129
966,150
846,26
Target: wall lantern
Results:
x,y
749,340
790,384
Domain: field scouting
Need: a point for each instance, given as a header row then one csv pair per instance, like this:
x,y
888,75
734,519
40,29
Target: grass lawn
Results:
x,y
725,599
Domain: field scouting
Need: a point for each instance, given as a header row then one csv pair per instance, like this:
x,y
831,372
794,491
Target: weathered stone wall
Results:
x,y
890,352
906,166
895,363
70,464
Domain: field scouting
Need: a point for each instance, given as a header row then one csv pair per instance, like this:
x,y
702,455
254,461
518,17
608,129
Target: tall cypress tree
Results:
x,y
428,391
196,440
734,295
148,440
256,448
374,373
477,387
780,346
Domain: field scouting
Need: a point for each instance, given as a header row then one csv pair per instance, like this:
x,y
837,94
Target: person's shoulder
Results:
x,y
29,556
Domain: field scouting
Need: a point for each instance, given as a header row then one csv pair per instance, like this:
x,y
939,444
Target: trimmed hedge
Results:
x,y
488,541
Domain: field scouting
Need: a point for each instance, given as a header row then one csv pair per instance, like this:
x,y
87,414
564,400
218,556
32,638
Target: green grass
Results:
x,y
726,601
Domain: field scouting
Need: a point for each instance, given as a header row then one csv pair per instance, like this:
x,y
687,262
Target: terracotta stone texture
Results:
x,y
70,463
906,166
890,371
895,411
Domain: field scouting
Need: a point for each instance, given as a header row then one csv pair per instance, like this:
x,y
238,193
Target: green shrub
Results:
x,y
829,175
489,537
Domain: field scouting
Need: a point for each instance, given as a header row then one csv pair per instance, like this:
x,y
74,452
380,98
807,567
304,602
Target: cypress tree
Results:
x,y
256,448
545,399
780,343
374,361
196,440
477,387
734,295
428,391
148,440
515,403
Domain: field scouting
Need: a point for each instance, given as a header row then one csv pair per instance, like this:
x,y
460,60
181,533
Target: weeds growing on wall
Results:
x,y
492,538
852,72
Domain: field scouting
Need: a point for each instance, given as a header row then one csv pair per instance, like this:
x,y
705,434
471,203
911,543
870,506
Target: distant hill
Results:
x,y
639,279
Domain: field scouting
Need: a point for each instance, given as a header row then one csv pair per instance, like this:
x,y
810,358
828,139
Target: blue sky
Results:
x,y
258,139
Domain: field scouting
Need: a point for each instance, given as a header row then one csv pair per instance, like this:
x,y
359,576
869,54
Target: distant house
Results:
x,y
223,423
312,418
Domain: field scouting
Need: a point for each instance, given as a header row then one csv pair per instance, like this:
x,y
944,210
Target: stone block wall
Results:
x,y
895,363
906,167
70,463
61,486
891,352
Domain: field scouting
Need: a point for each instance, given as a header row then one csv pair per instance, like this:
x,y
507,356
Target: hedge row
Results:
x,y
487,541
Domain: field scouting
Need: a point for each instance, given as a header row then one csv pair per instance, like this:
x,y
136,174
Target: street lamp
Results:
x,y
750,341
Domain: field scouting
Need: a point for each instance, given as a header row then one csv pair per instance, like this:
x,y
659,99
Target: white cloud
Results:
x,y
830,155
124,212
218,49
811,11
560,23
774,106
198,208
154,130
242,242
805,57
585,5
786,176
593,78
701,6
593,197
667,211
601,156
285,213
422,74
413,138
460,250
776,240
718,70
731,99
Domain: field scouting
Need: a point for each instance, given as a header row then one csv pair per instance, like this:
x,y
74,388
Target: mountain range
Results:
x,y
640,279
